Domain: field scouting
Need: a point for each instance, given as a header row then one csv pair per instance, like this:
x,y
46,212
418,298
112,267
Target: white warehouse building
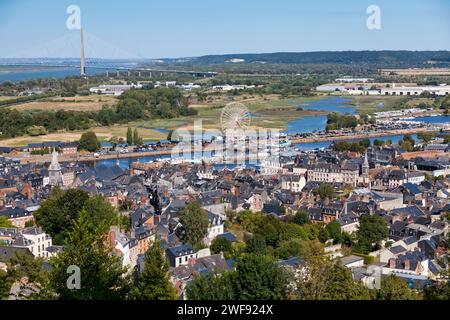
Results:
x,y
442,90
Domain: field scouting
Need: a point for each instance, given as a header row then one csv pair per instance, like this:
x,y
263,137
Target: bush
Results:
x,y
220,245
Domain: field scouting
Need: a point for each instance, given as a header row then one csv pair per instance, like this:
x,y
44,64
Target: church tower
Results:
x,y
54,170
365,179
365,166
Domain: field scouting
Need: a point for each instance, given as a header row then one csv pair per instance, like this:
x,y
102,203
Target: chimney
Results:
x,y
237,190
407,264
392,263
143,201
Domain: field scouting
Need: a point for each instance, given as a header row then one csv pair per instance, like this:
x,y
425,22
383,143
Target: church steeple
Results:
x,y
54,170
365,166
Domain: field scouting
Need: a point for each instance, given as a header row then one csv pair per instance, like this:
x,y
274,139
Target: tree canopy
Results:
x,y
102,274
327,280
194,221
372,229
301,218
325,190
57,213
220,245
89,142
256,277
393,288
154,283
5,223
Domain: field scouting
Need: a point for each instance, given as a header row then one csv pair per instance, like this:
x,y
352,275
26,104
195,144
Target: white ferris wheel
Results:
x,y
235,116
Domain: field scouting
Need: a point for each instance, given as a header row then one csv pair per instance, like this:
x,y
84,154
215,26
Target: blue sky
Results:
x,y
180,28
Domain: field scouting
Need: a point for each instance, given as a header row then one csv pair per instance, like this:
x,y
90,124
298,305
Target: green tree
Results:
x,y
301,218
220,244
100,213
137,138
325,190
407,143
438,291
129,136
169,136
327,280
249,220
125,222
334,231
89,142
5,284
426,136
56,213
194,221
372,229
259,277
102,274
394,288
270,234
154,283
256,245
24,265
292,231
5,223
304,249
212,286
324,236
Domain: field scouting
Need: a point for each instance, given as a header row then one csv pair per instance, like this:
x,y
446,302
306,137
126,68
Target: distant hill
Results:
x,y
374,58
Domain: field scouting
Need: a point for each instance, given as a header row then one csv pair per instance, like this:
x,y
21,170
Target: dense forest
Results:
x,y
133,105
391,59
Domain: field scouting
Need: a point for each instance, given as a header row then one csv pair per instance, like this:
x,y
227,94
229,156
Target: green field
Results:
x,y
370,104
269,114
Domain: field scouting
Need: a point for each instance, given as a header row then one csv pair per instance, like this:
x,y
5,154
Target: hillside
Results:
x,y
397,59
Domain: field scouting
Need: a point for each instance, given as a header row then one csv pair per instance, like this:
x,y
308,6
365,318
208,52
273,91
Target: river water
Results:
x,y
57,73
318,123
302,125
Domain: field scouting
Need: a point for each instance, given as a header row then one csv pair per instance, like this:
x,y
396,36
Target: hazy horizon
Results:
x,y
217,54
155,30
